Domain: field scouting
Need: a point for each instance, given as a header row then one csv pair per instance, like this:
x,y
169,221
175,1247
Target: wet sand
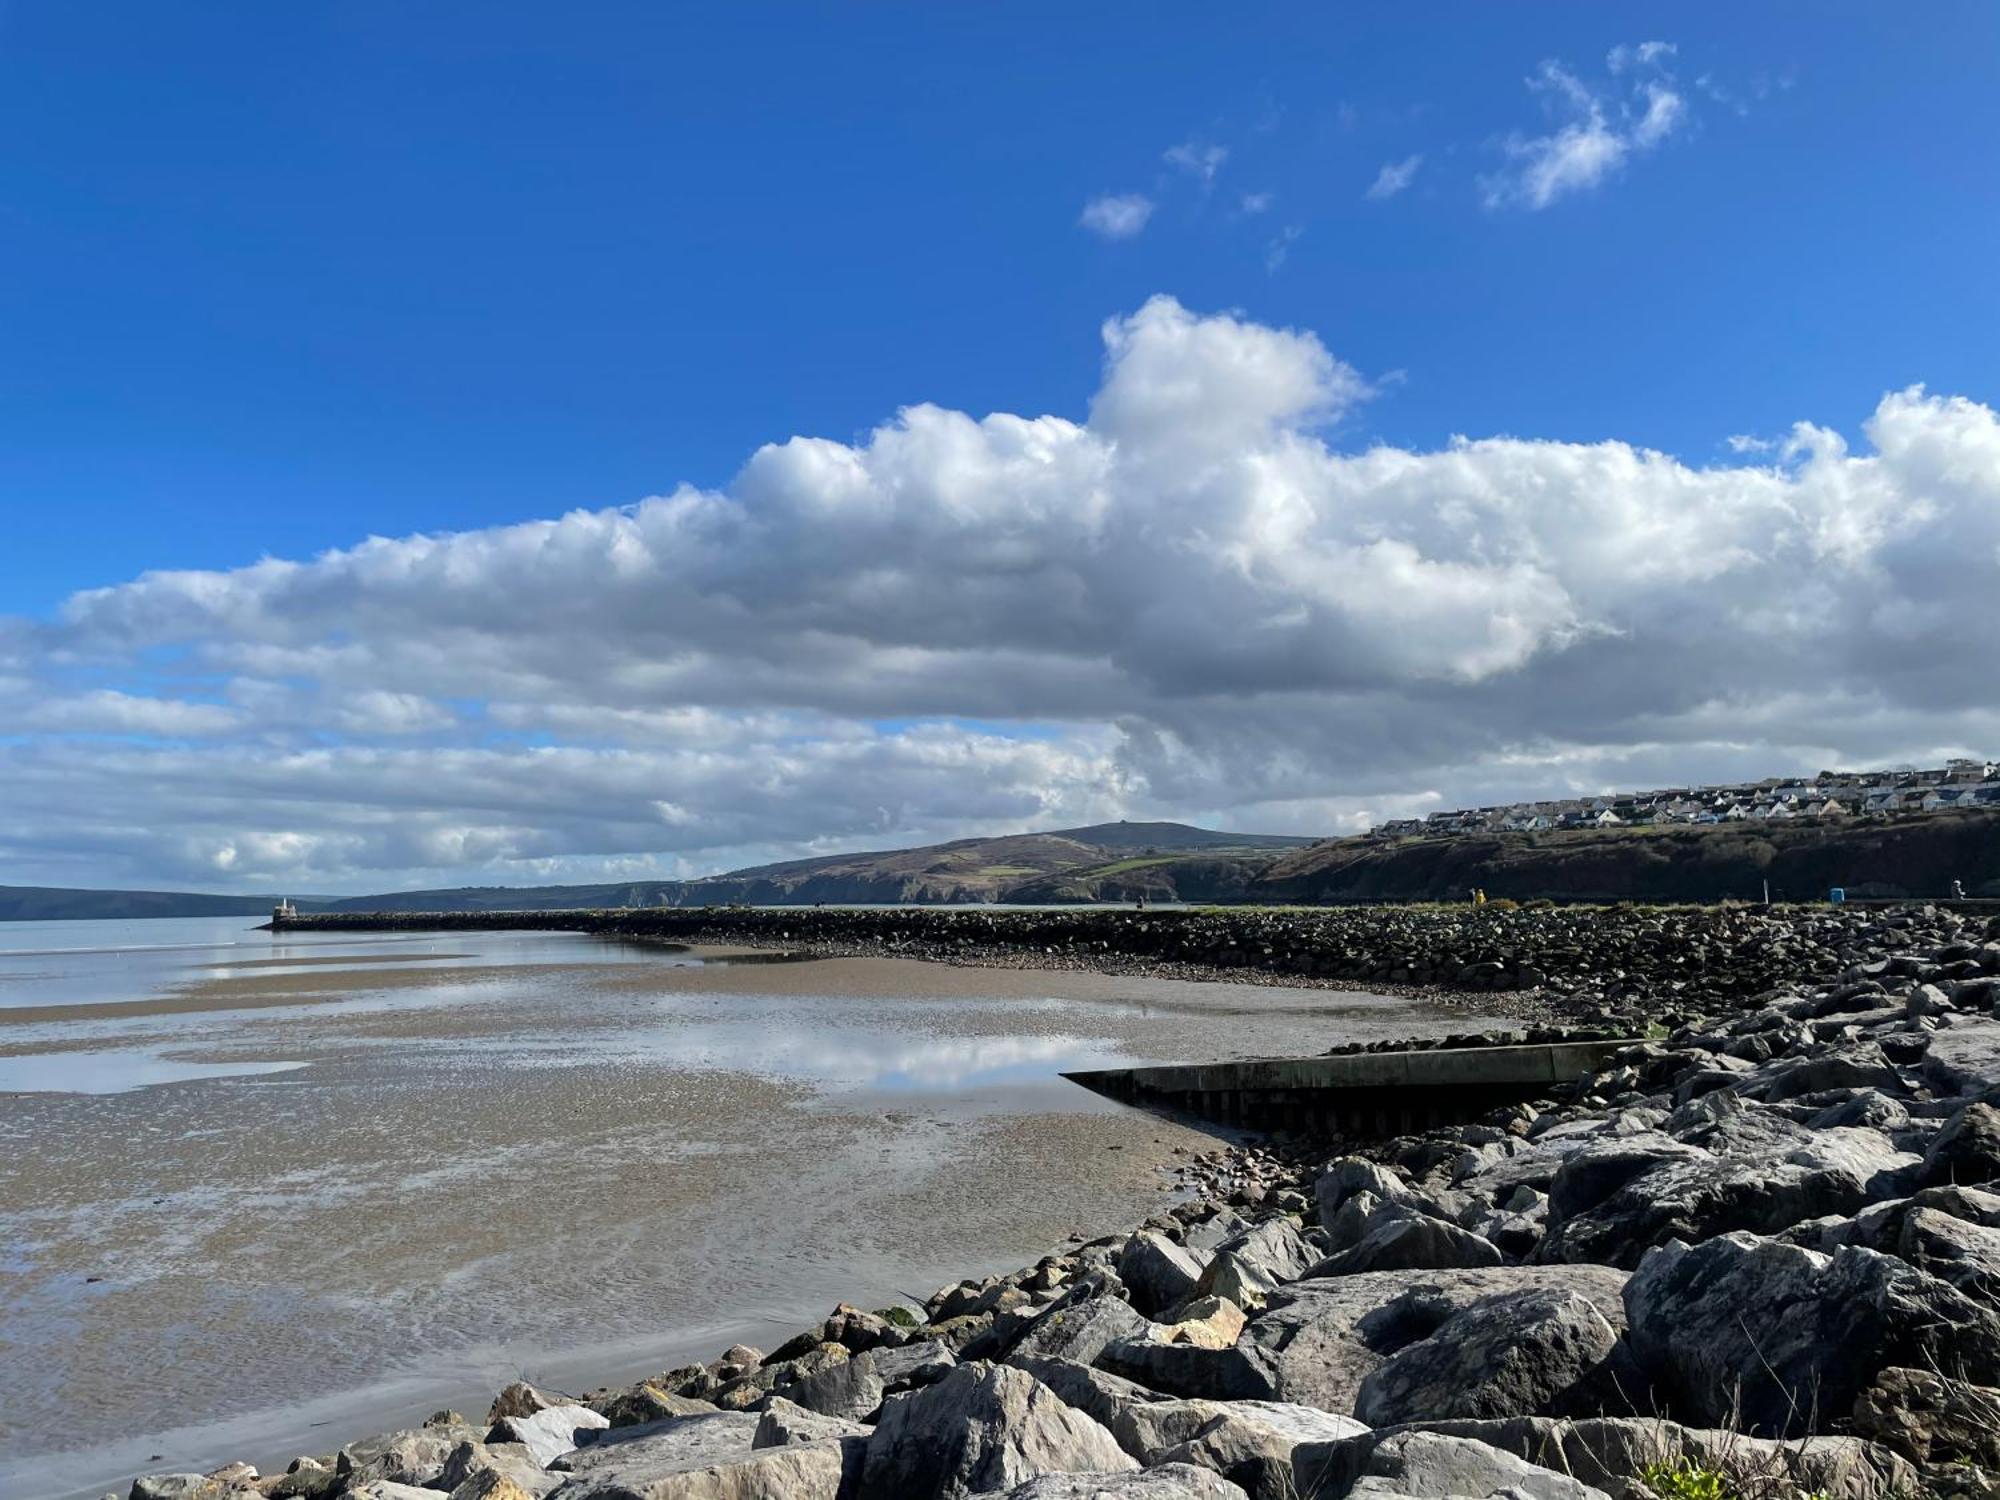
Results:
x,y
578,1164
740,971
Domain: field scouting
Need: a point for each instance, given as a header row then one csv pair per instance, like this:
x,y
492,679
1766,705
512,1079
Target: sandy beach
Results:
x,y
413,1168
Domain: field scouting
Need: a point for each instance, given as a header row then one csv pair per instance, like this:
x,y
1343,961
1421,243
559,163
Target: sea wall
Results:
x,y
1587,953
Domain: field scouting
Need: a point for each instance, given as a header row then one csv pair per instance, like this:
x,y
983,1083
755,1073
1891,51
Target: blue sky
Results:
x,y
279,278
275,277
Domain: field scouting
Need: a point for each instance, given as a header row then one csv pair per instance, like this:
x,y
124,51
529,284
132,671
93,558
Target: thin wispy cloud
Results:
x,y
1116,216
1256,203
1395,176
1595,133
1199,161
1280,249
1739,100
1624,58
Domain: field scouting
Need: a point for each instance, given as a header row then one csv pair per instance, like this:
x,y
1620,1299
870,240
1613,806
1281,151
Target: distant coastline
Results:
x,y
1896,857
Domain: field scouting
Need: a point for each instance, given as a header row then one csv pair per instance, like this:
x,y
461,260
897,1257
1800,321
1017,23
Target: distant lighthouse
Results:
x,y
284,911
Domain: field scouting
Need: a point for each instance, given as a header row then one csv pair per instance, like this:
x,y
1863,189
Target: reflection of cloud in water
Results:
x,y
115,1072
842,1057
928,1065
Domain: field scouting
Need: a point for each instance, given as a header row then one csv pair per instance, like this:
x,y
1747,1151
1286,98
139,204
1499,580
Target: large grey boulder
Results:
x,y
1399,1237
1516,1354
1190,1370
850,1389
1817,1070
782,1423
647,1402
1148,1431
1966,1151
1880,1225
1250,1267
1793,1175
1158,1274
168,1486
983,1428
1215,1231
1250,1443
799,1471
305,1479
1008,1327
1964,1254
919,1362
1098,1394
1348,1223
1870,1108
1350,1175
1775,1339
663,1445
1534,1166
1965,1059
1429,1466
414,1456
1605,1452
550,1432
777,1376
1320,1339
1514,1233
1170,1482
1078,1330
521,1399
474,1460
1590,1175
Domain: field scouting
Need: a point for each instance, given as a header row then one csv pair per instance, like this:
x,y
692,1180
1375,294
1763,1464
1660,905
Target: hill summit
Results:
x,y
1106,861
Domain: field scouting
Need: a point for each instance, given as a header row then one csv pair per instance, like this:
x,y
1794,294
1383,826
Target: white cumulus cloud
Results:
x,y
1192,599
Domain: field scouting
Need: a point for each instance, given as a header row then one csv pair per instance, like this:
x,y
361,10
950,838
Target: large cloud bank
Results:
x,y
1192,603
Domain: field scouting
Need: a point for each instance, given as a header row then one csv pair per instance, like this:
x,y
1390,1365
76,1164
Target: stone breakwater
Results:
x,y
1605,964
1758,1256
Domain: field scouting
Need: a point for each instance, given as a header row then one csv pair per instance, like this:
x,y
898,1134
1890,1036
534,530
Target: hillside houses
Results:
x,y
1959,785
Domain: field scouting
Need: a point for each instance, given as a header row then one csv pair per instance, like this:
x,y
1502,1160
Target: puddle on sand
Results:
x,y
116,1072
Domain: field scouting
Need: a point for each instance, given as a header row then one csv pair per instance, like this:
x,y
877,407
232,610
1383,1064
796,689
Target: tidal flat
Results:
x,y
257,1190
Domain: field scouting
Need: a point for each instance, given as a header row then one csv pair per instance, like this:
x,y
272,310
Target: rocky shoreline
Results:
x,y
1756,1256
1633,965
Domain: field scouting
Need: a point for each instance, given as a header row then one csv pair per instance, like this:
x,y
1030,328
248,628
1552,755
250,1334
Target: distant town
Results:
x,y
1958,786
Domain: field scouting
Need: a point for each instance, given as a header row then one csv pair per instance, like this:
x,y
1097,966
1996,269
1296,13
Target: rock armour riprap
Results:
x,y
1773,1218
1621,961
980,1429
